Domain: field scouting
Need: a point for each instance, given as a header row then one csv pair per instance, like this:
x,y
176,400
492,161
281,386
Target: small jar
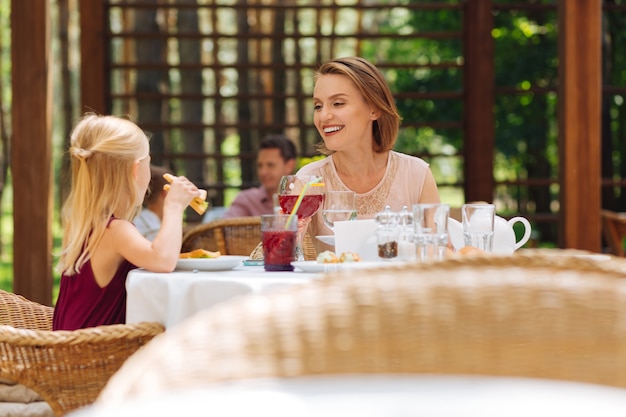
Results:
x,y
387,234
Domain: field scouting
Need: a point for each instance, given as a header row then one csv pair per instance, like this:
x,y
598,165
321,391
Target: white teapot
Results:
x,y
503,236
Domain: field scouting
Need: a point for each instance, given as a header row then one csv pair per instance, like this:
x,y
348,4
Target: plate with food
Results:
x,y
314,266
204,260
328,261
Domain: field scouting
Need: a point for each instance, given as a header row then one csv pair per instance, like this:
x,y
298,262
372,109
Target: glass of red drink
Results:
x,y
279,237
307,193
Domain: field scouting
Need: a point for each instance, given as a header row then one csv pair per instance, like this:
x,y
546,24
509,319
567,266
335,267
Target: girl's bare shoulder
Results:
x,y
120,228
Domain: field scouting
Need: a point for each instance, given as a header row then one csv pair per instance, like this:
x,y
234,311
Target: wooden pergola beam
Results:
x,y
580,105
94,81
31,150
478,101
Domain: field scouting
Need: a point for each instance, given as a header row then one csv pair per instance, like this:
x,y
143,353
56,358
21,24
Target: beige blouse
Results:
x,y
401,185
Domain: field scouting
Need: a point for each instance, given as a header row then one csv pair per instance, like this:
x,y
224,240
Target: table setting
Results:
x,y
427,233
422,233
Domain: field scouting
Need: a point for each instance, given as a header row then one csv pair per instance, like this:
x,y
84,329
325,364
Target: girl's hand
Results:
x,y
181,192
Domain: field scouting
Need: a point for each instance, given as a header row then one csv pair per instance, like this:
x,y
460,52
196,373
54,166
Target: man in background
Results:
x,y
276,157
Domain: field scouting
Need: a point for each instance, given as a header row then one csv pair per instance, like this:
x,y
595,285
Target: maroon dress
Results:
x,y
83,303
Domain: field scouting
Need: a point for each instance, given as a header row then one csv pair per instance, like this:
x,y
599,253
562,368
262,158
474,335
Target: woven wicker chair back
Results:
x,y
68,369
614,231
531,315
234,236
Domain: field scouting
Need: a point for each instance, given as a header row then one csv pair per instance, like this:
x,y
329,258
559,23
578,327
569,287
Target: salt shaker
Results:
x,y
406,235
387,234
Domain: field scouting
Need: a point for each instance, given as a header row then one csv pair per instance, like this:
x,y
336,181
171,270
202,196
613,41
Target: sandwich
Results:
x,y
200,253
199,204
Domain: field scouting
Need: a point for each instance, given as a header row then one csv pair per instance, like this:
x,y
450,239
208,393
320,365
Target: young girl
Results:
x,y
110,175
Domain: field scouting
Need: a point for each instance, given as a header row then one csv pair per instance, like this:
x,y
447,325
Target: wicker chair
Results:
x,y
21,313
233,236
614,231
68,369
532,316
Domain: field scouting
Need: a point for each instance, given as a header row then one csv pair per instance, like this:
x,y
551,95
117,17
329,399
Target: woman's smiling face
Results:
x,y
342,116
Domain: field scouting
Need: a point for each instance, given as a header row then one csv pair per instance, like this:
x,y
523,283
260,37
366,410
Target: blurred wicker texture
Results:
x,y
17,311
534,316
68,369
233,236
614,230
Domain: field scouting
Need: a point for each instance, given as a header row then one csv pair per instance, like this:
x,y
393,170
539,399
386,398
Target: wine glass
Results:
x,y
311,190
339,206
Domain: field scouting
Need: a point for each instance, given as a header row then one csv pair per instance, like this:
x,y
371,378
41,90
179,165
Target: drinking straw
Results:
x,y
299,200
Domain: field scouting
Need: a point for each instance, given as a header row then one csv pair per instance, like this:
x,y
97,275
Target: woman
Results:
x,y
358,121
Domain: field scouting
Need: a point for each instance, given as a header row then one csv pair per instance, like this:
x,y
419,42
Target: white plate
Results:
x,y
328,239
223,263
314,266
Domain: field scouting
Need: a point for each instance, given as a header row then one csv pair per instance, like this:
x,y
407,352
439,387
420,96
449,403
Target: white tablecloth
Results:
x,y
381,396
169,298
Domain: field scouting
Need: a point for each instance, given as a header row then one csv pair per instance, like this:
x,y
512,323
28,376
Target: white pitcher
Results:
x,y
504,242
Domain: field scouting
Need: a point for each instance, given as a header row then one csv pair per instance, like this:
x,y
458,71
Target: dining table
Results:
x,y
379,395
196,285
170,298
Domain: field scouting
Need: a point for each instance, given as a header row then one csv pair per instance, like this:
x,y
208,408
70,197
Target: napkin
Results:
x,y
358,236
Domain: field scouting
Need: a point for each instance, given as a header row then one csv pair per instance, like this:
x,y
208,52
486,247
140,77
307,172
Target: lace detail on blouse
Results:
x,y
373,201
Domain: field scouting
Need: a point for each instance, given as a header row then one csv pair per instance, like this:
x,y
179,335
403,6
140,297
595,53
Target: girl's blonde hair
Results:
x,y
103,150
374,89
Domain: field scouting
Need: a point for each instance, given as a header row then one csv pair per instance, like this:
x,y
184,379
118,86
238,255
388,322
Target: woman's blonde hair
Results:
x,y
374,89
103,150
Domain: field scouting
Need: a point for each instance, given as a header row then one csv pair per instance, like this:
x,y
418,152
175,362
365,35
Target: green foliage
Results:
x,y
526,54
440,146
5,51
6,223
614,115
307,160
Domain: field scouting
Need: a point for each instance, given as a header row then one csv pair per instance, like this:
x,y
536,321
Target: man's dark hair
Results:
x,y
282,143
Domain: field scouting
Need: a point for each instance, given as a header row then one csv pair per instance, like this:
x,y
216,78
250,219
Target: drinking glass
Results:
x,y
478,223
279,241
431,231
303,194
338,206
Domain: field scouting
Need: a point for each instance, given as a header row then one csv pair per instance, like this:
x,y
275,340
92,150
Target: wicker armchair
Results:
x,y
531,316
68,369
16,311
233,236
